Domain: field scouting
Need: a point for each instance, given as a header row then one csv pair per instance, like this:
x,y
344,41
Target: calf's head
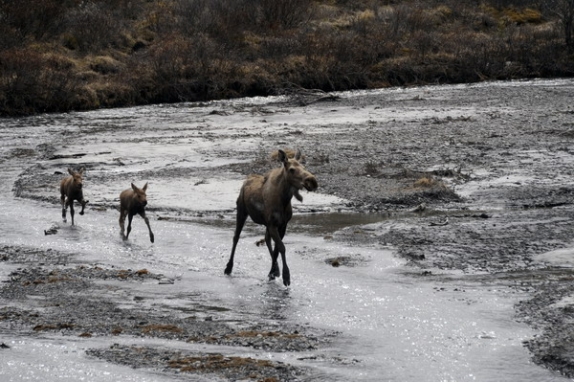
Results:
x,y
76,179
297,174
139,196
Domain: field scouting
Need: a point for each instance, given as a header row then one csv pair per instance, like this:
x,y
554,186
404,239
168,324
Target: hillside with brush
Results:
x,y
64,55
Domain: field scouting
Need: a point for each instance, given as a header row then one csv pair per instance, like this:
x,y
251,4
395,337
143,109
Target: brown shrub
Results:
x,y
32,82
121,53
285,14
21,83
105,65
38,19
92,27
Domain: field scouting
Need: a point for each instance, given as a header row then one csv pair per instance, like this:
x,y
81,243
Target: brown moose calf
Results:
x,y
70,190
133,201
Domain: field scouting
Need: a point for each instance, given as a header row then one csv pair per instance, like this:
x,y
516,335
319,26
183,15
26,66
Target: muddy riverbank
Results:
x,y
467,187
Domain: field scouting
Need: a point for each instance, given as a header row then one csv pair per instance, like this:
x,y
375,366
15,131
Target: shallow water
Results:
x,y
392,325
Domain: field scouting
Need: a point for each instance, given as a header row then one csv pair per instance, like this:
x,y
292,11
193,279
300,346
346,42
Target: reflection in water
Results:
x,y
327,223
318,223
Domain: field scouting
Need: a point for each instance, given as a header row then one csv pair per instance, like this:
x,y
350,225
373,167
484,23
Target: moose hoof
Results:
x,y
151,238
274,272
286,278
81,212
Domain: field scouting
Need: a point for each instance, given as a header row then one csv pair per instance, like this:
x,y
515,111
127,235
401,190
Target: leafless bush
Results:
x,y
281,46
564,10
184,69
225,20
19,83
424,43
195,16
33,82
284,13
36,18
121,53
92,27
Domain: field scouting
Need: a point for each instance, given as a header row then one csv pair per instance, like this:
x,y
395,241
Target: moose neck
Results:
x,y
286,189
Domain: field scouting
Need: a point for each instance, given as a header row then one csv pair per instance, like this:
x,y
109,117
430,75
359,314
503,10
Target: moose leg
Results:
x,y
122,221
146,220
277,236
274,272
241,218
130,217
71,203
83,202
63,199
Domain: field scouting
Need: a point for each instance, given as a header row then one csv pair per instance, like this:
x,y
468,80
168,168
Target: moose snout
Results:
x,y
310,183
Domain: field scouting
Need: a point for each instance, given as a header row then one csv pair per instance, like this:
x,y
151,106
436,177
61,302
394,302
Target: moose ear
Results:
x,y
70,171
134,187
82,169
282,156
144,188
298,154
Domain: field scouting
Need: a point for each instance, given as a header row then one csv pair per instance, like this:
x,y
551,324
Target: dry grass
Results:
x,y
66,56
428,182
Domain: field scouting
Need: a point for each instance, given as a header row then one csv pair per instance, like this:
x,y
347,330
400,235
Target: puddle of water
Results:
x,y
328,223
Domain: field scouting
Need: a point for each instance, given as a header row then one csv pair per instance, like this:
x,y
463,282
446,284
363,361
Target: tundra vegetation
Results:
x,y
62,55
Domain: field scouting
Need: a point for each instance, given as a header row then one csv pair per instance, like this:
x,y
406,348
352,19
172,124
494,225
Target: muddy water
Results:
x,y
389,322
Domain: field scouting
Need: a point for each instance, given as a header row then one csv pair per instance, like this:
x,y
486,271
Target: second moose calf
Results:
x,y
70,190
133,201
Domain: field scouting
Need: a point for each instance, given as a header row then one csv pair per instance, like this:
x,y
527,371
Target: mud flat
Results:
x,y
464,184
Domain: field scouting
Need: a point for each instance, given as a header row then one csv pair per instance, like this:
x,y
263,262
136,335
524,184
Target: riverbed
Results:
x,y
437,247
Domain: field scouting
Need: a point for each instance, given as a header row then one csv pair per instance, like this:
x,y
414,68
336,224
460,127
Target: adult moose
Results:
x,y
133,201
70,190
267,200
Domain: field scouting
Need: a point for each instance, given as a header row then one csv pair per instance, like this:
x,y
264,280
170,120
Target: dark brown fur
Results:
x,y
267,200
70,190
133,201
